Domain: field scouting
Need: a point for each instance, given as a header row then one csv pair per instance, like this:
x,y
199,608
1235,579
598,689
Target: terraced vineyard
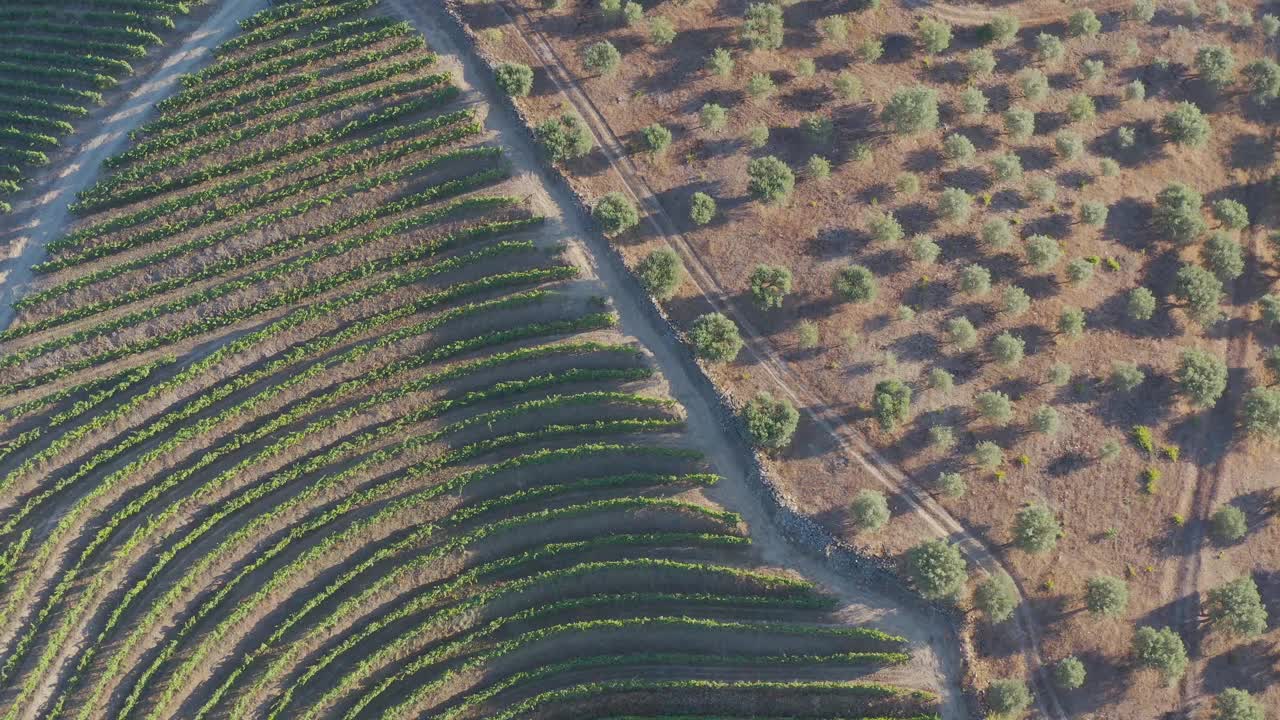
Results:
x,y
311,414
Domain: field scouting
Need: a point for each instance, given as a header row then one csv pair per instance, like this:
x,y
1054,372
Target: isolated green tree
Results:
x,y
1045,420
1186,125
1262,77
655,138
1261,412
1014,301
1079,271
1071,323
1008,698
715,338
1236,704
911,110
1228,524
891,403
662,31
855,283
1236,608
980,63
1106,596
937,569
770,422
1036,529
514,79
1160,650
924,249
1069,673
961,333
1000,30
720,62
1202,376
1081,108
564,138
615,214
661,273
769,285
702,208
1069,145
951,484
884,228
988,455
958,148
1126,376
996,597
602,58
769,179
1141,304
713,117
870,510
1049,48
1033,83
762,29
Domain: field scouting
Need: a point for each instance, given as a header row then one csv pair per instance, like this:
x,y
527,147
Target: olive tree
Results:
x,y
564,138
720,62
1141,304
1048,48
855,283
937,569
661,273
1045,420
1126,376
1069,673
996,233
884,228
1014,301
713,117
1081,108
1071,323
934,35
995,407
1231,213
1236,608
1201,377
1008,697
1006,166
1083,23
702,208
1069,145
1079,271
817,168
1008,349
1228,524
961,333
1033,83
769,285
950,484
1093,213
958,148
1000,30
924,249
514,79
770,422
996,597
891,403
1186,125
656,138
911,110
1201,291
988,455
1036,529
1020,123
1160,650
1106,596
602,58
1236,704
1043,252
1216,65
975,280
662,31
955,204
769,179
615,214
869,510
1177,213
762,28
715,338
1262,77
1261,412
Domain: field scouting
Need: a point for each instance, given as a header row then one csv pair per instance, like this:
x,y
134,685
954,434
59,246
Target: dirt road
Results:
x,y
43,215
938,659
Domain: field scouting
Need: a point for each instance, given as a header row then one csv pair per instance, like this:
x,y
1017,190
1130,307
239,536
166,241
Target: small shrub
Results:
x,y
1135,91
884,228
942,380
1262,77
855,283
1223,256
661,273
662,32
818,129
1216,65
1109,167
1048,48
834,29
770,423
869,511
1000,30
869,50
702,208
1092,71
769,179
1236,704
980,63
758,136
715,338
760,86
1079,271
806,68
1042,188
1261,412
1033,83
769,285
1093,213
514,79
615,214
1142,10
1110,450
1143,439
1045,420
1201,291
907,184
807,335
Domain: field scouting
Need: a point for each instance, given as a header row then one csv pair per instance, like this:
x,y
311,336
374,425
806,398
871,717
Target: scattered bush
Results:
x,y
1014,301
1228,524
564,138
996,597
891,403
1177,213
855,284
911,110
656,138
870,510
960,332
715,338
975,280
1071,323
1083,23
514,79
1008,697
1236,704
1232,214
1236,608
1126,376
769,285
713,117
661,273
934,35
937,569
720,62
1106,596
702,208
762,29
1186,125
615,214
995,407
1161,650
955,205
602,58
1201,291
770,423
1043,252
769,179
1035,529
1069,673
1020,123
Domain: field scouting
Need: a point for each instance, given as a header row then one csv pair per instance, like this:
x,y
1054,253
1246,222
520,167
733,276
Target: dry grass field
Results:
x,y
1060,220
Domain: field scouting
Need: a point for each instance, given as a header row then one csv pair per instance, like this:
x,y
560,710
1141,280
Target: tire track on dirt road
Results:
x,y
940,656
45,215
854,445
